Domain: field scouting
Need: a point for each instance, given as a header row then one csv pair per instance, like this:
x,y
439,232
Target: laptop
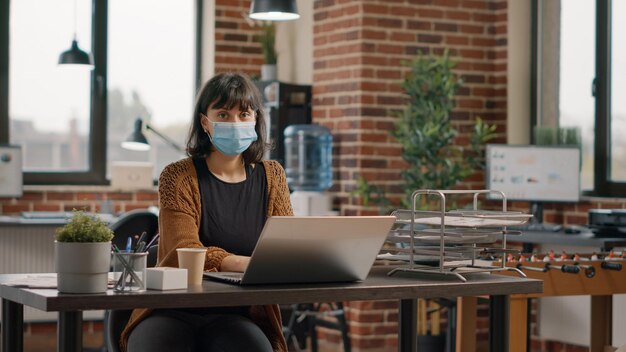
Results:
x,y
313,249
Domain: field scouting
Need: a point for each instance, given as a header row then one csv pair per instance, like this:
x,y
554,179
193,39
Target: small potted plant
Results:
x,y
82,253
267,39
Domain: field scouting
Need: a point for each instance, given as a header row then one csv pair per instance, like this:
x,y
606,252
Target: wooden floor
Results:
x,y
41,337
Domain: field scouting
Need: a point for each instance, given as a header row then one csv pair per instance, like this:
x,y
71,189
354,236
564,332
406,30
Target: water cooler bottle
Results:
x,y
308,165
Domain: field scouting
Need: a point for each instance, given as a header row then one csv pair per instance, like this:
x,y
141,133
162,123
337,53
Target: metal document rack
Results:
x,y
454,237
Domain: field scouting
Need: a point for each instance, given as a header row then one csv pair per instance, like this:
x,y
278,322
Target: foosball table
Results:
x,y
599,275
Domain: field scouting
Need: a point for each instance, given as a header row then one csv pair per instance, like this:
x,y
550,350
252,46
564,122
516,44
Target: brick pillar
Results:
x,y
359,50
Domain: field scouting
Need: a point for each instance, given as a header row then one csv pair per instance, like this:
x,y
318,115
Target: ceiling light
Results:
x,y
274,10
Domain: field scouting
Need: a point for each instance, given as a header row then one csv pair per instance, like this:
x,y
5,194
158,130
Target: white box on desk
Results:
x,y
165,278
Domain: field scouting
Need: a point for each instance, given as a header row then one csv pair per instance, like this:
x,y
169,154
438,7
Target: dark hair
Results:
x,y
227,90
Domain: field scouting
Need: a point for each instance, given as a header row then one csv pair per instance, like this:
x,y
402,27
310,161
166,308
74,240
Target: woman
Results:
x,y
218,198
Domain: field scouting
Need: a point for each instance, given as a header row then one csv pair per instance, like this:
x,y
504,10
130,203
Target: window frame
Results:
x,y
96,174
603,186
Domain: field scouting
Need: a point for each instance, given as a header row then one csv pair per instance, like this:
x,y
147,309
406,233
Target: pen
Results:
x,y
128,269
140,247
129,244
154,239
140,240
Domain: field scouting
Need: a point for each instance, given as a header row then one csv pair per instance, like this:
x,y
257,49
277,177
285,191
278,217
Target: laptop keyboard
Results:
x,y
234,278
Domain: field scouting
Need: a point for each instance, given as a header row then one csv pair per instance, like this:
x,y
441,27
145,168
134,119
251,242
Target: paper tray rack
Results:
x,y
454,235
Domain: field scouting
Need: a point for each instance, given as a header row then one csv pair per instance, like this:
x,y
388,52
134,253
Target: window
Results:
x,y
150,76
579,59
70,123
618,92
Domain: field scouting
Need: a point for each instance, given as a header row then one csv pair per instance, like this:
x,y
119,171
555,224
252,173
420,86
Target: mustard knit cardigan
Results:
x,y
179,221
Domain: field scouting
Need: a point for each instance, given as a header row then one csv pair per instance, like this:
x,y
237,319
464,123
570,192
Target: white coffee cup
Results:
x,y
192,259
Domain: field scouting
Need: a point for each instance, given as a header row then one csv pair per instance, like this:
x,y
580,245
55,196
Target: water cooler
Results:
x,y
308,165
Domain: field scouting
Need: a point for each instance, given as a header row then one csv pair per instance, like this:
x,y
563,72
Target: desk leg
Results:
x,y
466,324
12,326
407,332
70,332
518,324
499,323
601,322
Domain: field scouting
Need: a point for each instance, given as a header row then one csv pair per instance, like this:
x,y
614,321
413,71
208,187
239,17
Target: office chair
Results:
x,y
115,320
305,317
132,224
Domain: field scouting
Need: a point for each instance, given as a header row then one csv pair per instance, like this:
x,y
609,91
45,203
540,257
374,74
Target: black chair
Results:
x,y
130,224
133,224
303,318
115,320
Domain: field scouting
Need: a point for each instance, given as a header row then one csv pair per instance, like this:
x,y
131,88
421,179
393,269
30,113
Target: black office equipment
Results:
x,y
608,222
285,105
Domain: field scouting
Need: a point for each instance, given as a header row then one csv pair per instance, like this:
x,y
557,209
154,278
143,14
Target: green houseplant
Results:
x,y
83,254
267,39
426,134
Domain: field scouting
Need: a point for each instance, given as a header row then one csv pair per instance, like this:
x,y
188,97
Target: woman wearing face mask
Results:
x,y
219,199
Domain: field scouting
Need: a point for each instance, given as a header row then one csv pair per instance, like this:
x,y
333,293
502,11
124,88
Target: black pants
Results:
x,y
172,330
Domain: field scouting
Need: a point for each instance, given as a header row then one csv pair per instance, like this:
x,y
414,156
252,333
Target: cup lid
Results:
x,y
195,250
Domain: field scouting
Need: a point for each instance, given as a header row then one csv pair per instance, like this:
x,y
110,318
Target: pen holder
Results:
x,y
129,271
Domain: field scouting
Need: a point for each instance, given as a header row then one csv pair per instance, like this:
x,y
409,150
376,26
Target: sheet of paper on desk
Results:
x,y
35,281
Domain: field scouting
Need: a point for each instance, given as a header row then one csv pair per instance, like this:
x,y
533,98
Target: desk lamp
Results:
x,y
137,141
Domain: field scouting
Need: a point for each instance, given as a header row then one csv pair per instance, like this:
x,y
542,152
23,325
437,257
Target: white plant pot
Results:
x,y
82,267
268,72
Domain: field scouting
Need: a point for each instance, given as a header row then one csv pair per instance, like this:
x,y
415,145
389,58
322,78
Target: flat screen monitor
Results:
x,y
534,173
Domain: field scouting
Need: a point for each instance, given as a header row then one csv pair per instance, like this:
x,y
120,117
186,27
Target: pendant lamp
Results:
x,y
274,10
75,57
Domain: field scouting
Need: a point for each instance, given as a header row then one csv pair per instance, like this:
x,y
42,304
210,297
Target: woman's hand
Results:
x,y
236,263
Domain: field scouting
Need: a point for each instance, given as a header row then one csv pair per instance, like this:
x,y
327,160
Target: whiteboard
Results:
x,y
10,171
534,173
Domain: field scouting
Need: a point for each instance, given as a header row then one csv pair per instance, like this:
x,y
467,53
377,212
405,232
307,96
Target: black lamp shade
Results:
x,y
274,10
136,140
75,56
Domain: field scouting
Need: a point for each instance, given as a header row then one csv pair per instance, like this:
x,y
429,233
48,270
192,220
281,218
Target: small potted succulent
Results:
x,y
82,254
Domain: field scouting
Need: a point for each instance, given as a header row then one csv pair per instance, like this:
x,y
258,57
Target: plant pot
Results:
x,y
82,267
268,72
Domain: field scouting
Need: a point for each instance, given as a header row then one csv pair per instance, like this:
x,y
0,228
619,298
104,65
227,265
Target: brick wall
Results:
x,y
91,199
236,48
359,49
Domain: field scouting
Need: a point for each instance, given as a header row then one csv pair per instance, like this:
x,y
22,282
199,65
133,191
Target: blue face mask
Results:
x,y
233,138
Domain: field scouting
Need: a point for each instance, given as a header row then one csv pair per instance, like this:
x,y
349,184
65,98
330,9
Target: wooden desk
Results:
x,y
378,286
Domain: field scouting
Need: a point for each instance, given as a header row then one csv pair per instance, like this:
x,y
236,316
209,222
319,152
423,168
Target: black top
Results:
x,y
233,214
